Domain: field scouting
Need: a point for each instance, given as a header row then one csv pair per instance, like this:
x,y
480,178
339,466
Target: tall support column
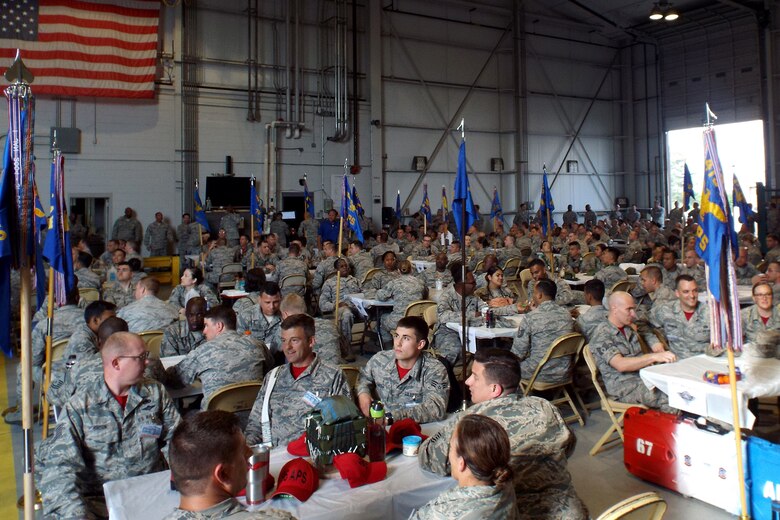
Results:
x,y
377,110
520,108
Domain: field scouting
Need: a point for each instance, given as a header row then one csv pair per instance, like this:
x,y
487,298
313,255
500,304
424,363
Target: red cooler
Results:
x,y
679,455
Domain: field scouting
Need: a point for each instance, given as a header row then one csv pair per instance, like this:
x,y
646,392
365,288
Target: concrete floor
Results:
x,y
600,481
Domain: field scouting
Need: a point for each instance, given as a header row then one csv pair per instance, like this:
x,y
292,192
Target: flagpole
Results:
x,y
252,228
49,331
20,78
338,252
463,321
549,226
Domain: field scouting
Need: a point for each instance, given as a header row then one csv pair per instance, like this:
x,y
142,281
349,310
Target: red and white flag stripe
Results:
x,y
91,48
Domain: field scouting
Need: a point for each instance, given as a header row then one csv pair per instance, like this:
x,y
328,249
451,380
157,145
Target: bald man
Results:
x,y
615,345
115,427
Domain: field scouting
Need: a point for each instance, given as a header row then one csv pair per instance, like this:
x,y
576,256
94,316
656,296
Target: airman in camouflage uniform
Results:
x,y
88,279
224,359
401,291
287,407
347,313
361,260
587,321
752,320
471,503
564,294
230,222
148,313
448,308
230,508
184,236
220,256
292,265
97,439
744,269
309,228
127,227
179,294
120,296
330,344
184,336
540,442
157,236
611,273
422,394
609,341
536,332
325,267
686,337
262,327
438,272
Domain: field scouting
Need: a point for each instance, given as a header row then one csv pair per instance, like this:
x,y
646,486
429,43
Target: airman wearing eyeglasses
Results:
x,y
763,315
114,427
410,382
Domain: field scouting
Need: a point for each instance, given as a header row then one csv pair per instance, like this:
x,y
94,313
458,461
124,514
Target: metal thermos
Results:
x,y
258,472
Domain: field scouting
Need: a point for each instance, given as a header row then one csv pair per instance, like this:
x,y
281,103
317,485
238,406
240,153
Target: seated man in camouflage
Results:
x,y
225,358
113,428
563,295
87,278
685,321
122,291
262,320
448,309
148,312
293,265
347,313
182,337
290,391
208,456
330,345
411,383
539,328
610,273
589,319
615,346
539,439
651,291
437,275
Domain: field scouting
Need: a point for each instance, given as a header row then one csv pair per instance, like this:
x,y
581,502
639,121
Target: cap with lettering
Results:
x,y
297,479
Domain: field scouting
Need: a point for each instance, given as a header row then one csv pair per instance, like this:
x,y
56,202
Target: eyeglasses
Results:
x,y
763,295
140,357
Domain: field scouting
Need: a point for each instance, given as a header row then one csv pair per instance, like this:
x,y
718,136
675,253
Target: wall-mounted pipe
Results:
x,y
355,107
287,64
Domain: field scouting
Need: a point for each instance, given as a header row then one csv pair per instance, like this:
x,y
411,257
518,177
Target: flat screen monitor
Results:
x,y
228,191
288,215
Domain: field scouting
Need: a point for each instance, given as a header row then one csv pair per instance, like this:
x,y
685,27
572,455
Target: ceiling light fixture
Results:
x,y
663,10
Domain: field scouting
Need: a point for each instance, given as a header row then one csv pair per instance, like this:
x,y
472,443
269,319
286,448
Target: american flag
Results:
x,y
84,47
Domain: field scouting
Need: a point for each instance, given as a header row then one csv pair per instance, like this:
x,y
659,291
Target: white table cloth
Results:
x,y
149,497
475,333
683,383
422,265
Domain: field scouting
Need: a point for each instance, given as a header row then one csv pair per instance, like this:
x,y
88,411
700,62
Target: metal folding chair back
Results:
x,y
153,340
418,308
650,504
238,397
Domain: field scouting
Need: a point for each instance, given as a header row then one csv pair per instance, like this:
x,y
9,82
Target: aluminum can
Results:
x,y
258,472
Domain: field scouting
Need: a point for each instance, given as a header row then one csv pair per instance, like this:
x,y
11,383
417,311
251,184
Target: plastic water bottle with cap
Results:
x,y
376,432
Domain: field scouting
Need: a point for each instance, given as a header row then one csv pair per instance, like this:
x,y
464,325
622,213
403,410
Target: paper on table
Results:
x,y
684,396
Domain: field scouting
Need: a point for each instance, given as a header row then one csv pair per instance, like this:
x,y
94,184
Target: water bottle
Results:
x,y
259,462
376,432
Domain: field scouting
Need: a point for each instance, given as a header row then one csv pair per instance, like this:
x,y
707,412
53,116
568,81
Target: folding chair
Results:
x,y
57,352
568,345
89,294
431,316
511,269
610,406
651,503
238,397
153,340
418,308
351,373
623,285
293,283
227,277
369,276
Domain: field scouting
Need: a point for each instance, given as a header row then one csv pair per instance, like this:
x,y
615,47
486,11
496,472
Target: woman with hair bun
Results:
x,y
479,457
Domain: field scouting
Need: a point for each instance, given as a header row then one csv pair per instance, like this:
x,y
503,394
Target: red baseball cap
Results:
x,y
298,447
399,430
297,478
359,471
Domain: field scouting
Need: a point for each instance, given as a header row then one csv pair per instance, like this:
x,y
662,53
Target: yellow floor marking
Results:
x,y
8,491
